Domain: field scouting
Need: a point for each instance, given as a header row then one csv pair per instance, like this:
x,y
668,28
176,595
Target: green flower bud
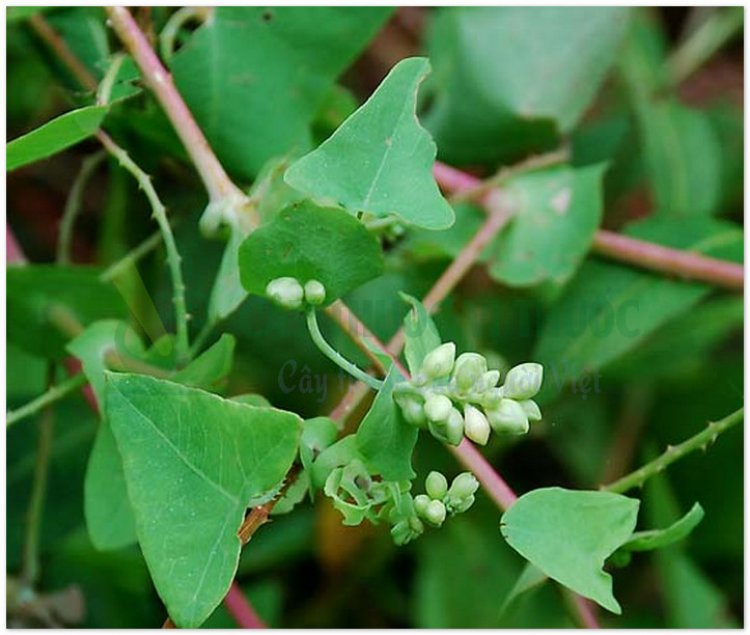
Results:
x,y
487,381
416,525
459,506
455,427
435,513
436,485
508,418
491,398
439,362
315,292
464,485
420,504
412,408
476,426
523,381
469,368
286,292
531,409
437,407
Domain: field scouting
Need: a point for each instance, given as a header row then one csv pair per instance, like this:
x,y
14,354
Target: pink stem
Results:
x,y
160,82
13,252
241,610
623,248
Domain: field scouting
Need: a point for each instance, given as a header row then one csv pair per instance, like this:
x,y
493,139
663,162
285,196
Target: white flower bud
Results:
x,y
508,418
531,409
465,484
491,398
461,505
315,292
454,430
523,381
421,503
437,407
286,292
436,485
476,426
469,368
487,381
439,362
412,408
435,513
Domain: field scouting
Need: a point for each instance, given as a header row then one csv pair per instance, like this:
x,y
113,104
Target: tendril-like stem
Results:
x,y
675,452
335,356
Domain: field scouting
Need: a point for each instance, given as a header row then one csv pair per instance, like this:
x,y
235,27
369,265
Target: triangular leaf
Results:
x,y
569,534
385,440
308,242
193,461
380,159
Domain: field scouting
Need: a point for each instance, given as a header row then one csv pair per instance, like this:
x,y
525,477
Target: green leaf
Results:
x,y
54,136
44,299
109,515
380,159
318,434
658,538
107,510
531,578
341,453
271,63
558,212
682,153
427,244
192,462
16,14
308,242
609,309
569,534
210,367
252,399
421,335
385,440
507,79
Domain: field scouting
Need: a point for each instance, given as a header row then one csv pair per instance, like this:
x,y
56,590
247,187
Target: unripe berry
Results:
x,y
420,504
531,409
315,292
435,513
286,292
476,426
464,485
508,418
439,362
469,368
487,381
523,381
437,407
436,485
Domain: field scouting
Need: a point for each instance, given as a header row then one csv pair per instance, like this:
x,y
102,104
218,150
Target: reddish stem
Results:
x,y
13,252
623,248
240,609
160,82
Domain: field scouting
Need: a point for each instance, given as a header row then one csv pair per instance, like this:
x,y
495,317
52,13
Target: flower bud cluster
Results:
x,y
441,500
290,293
456,397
